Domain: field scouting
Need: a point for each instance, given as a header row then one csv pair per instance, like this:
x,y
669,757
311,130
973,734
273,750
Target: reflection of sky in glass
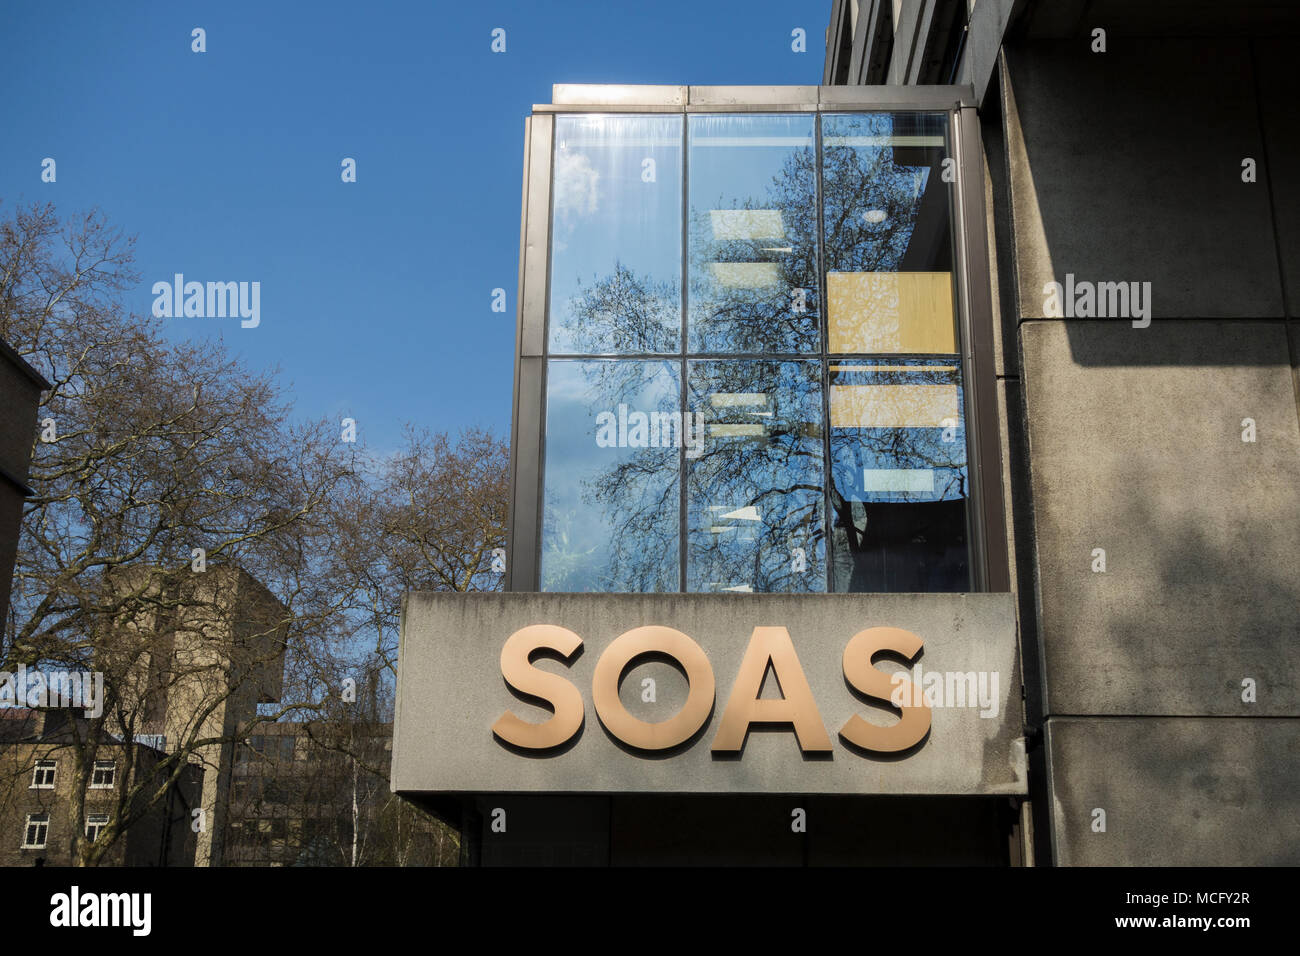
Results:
x,y
610,519
616,235
755,497
753,234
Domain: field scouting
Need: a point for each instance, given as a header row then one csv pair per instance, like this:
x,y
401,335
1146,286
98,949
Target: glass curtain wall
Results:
x,y
753,377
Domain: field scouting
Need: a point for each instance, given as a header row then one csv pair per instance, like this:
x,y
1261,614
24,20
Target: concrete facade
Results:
x,y
20,396
955,798
202,665
1165,686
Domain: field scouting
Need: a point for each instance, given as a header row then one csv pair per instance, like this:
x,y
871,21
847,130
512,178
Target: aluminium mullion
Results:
x,y
544,392
682,360
824,323
976,548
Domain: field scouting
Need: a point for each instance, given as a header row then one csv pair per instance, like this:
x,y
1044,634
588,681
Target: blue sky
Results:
x,y
375,295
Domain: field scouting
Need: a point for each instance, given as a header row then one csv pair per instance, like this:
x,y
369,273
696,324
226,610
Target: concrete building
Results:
x,y
1152,144
20,396
901,467
755,470
207,649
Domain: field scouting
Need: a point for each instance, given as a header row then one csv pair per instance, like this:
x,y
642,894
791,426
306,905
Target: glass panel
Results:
x,y
899,480
753,234
613,434
754,492
616,235
888,234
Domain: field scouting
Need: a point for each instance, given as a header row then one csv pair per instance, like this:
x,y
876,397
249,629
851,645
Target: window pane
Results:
x,y
755,492
898,456
616,235
613,433
753,234
888,234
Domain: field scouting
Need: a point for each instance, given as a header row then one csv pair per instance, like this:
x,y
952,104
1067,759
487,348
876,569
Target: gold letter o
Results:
x,y
699,677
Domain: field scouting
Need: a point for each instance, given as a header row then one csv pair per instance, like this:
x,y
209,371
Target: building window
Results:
x,y
611,511
104,775
783,408
37,831
95,823
756,494
43,776
617,237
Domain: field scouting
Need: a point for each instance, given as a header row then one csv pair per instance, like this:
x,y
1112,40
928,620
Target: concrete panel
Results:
x,y
979,61
451,692
1135,447
997,215
1017,510
1175,791
1279,90
907,24
1117,177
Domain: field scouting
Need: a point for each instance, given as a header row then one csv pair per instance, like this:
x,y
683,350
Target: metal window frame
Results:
x,y
987,544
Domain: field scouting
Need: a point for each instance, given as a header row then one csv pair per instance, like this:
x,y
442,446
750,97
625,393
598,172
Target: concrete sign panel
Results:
x,y
693,693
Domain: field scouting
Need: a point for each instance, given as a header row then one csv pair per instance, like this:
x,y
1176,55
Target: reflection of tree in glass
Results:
x,y
870,202
870,211
779,472
623,313
563,565
743,294
637,497
770,482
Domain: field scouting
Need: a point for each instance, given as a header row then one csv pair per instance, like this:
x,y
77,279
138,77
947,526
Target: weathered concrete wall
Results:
x,y
1177,791
1136,449
1170,681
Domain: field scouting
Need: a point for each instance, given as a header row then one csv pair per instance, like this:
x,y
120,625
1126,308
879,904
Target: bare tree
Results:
x,y
166,462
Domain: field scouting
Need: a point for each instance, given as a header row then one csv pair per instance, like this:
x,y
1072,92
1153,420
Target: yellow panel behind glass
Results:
x,y
887,312
894,406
